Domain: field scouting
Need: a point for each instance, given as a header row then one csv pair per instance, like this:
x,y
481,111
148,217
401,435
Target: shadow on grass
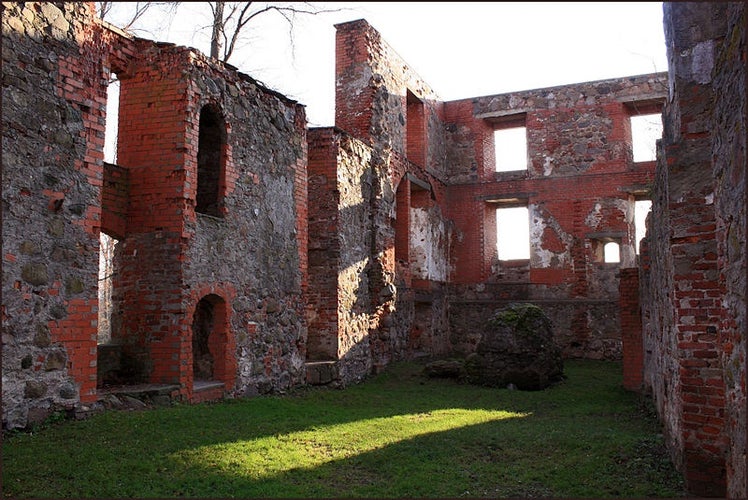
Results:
x,y
566,443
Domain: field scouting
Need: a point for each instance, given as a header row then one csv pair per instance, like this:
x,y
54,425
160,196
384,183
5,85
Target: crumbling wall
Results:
x,y
729,146
693,293
580,187
246,251
341,306
247,259
54,95
382,102
252,255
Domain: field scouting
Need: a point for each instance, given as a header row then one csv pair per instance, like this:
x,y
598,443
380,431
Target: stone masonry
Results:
x,y
253,255
694,282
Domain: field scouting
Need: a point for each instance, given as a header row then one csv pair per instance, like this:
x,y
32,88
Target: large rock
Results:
x,y
517,347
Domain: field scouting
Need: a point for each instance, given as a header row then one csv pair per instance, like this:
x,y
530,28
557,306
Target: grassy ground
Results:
x,y
396,435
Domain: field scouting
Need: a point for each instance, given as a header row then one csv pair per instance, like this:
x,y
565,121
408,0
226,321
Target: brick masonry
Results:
x,y
694,280
246,261
262,256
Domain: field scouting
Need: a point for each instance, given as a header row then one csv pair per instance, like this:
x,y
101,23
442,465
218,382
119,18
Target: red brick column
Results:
x,y
631,328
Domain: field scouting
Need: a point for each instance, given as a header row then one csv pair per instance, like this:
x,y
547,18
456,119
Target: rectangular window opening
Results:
x,y
415,139
511,149
641,209
107,271
112,119
513,233
645,130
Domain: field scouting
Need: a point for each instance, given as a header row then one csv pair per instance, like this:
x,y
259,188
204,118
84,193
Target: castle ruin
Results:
x,y
253,254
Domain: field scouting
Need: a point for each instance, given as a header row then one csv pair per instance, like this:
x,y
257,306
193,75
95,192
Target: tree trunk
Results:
x,y
217,34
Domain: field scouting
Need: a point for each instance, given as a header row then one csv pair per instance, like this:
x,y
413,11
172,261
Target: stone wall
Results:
x,y
244,259
252,254
729,147
580,188
693,291
53,114
247,253
340,306
381,102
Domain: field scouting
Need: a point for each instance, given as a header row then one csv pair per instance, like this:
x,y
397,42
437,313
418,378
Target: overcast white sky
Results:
x,y
461,49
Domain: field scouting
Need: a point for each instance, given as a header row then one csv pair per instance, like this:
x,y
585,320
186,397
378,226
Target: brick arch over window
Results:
x,y
211,162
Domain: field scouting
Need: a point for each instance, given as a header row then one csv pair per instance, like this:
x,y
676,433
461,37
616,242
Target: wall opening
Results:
x,y
415,139
606,250
111,128
210,162
209,339
511,148
645,131
641,209
513,233
611,252
107,271
402,222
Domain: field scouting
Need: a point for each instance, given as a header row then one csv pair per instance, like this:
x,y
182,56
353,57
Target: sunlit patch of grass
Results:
x,y
271,455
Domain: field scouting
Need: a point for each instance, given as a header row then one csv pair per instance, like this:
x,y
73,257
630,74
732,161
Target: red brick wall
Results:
x,y
352,54
152,134
692,283
324,247
114,201
580,187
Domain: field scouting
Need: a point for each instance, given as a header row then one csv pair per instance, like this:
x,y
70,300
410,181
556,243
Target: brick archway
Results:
x,y
212,341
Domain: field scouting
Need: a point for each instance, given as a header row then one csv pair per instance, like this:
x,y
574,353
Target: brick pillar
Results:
x,y
631,328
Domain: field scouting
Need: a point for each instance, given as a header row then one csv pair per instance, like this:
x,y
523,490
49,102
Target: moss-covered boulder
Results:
x,y
517,347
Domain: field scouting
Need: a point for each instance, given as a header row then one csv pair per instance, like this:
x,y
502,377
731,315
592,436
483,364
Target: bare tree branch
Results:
x,y
104,8
230,20
233,26
140,8
240,23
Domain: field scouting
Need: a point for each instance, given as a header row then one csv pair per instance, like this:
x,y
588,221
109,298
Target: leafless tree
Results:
x,y
230,20
138,10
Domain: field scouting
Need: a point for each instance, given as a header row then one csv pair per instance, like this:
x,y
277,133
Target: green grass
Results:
x,y
396,435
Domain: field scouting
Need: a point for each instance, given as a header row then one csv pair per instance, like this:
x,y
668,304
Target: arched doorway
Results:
x,y
209,336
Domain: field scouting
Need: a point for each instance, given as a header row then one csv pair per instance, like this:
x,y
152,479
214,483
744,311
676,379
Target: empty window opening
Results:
x,y
611,252
111,129
210,159
203,324
645,130
511,149
641,209
513,233
414,130
107,247
402,222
